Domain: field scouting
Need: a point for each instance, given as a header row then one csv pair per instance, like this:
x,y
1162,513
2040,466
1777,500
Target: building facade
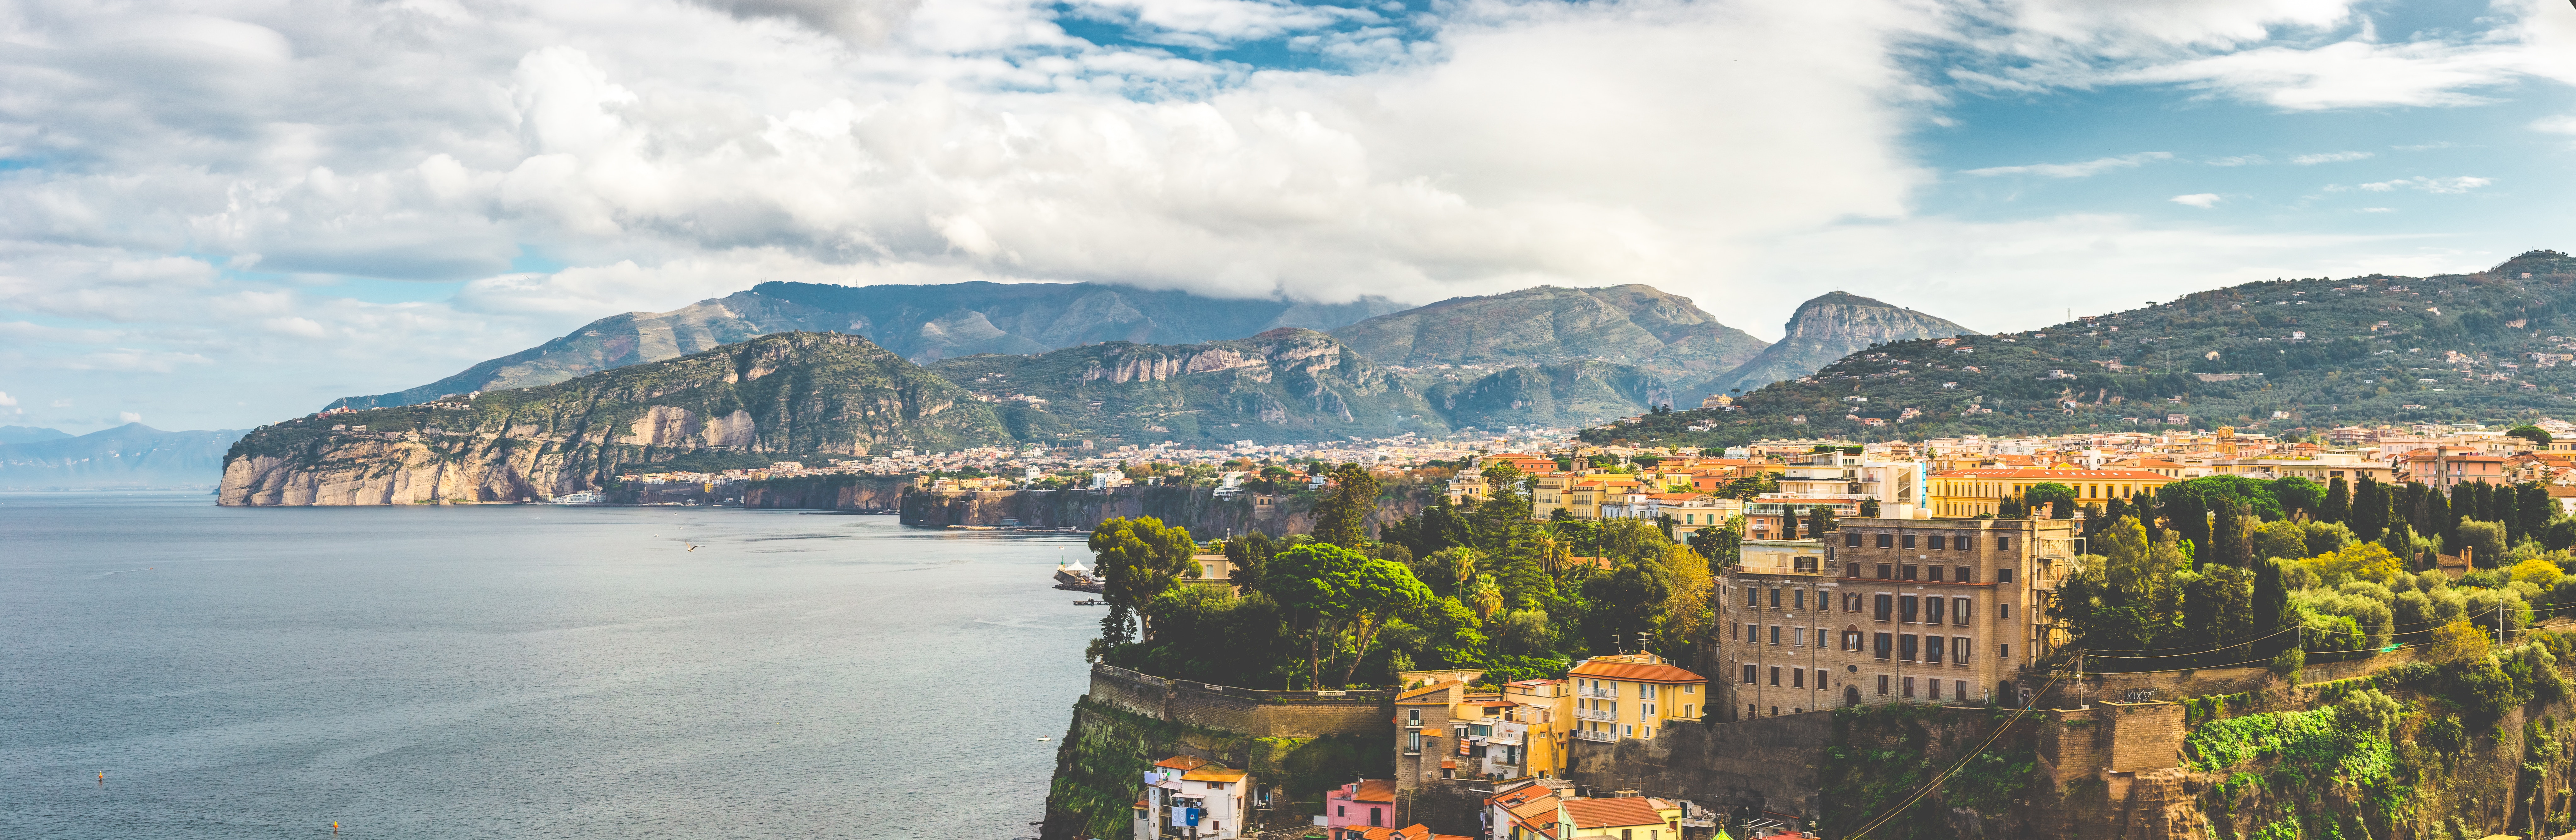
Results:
x,y
1633,696
1190,797
1889,611
1970,493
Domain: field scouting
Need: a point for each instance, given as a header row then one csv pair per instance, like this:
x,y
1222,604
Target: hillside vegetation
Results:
x,y
2277,354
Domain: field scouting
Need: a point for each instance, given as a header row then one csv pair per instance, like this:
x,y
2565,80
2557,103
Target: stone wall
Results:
x,y
1196,508
1772,762
1261,714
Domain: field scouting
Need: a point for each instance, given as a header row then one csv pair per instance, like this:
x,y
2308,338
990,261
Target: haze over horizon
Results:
x,y
226,213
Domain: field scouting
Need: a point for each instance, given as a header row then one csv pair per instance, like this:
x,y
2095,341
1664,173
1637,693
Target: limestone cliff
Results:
x,y
1823,330
778,396
1634,325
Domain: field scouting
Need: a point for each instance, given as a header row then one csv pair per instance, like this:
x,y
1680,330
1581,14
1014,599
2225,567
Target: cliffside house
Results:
x,y
1623,818
1417,831
1633,696
1362,804
1190,797
1940,610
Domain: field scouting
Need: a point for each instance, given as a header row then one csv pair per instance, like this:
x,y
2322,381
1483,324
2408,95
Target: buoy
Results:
x,y
335,828
102,780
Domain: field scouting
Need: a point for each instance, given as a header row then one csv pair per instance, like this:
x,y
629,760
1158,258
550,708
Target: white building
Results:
x,y
1187,797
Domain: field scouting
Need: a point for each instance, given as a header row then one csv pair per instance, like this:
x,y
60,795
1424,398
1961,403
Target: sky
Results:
x,y
224,213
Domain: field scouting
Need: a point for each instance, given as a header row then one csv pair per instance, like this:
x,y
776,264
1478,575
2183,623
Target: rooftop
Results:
x,y
1183,763
1618,811
1635,672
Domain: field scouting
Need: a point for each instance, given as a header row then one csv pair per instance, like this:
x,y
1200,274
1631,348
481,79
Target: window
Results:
x,y
1961,689
1885,604
1887,540
1967,574
1341,810
1748,675
2003,575
1935,686
1882,683
1775,597
1798,599
1883,571
1959,610
1775,634
1752,597
1851,570
2004,652
1374,819
1735,630
1939,542
2003,543
1959,648
1798,678
1909,573
1690,689
1909,688
1686,707
1933,573
1932,649
1798,637
1413,716
1932,610
1775,675
1964,543
1413,742
1851,640
2004,611
1820,677
1908,540
1908,608
1908,648
1820,637
1851,539
1883,643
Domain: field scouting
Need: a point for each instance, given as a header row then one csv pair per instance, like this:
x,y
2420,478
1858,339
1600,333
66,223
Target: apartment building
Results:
x,y
1969,493
1538,722
2447,466
1187,796
1633,696
2321,467
1889,611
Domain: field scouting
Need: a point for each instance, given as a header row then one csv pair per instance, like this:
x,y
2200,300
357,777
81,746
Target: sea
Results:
x,y
524,671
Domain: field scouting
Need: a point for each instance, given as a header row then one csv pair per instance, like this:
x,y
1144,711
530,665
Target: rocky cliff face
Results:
x,y
1634,325
791,394
1284,384
1825,330
917,322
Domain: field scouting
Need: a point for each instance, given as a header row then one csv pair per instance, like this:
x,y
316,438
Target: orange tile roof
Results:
x,y
1409,696
1213,774
1635,672
1615,812
1375,790
1183,763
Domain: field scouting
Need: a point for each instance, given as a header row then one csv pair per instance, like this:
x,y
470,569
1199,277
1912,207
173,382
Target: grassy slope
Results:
x,y
2347,370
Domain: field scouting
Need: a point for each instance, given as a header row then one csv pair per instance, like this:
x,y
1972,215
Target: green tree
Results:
x,y
2369,510
1448,570
1627,602
1820,520
1724,547
1484,596
2532,504
2051,493
2507,507
2539,437
2484,542
2299,496
1336,595
2338,506
1341,517
1137,560
2228,540
2218,612
1869,507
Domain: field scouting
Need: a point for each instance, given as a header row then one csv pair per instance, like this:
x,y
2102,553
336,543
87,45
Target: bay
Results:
x,y
523,671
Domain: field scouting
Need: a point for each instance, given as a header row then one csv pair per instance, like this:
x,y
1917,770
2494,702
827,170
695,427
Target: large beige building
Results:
x,y
1966,493
1888,611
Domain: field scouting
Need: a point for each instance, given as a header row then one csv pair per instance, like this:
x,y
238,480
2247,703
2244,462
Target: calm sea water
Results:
x,y
523,672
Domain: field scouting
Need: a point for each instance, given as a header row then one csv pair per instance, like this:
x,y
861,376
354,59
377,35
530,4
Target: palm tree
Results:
x,y
1484,596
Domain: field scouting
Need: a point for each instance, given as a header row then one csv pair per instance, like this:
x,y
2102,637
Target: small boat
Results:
x,y
1070,575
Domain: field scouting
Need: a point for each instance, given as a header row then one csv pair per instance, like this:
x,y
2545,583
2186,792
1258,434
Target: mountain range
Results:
x,y
923,323
131,456
1825,329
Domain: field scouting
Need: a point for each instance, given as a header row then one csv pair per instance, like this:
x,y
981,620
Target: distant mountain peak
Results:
x,y
1633,324
1826,328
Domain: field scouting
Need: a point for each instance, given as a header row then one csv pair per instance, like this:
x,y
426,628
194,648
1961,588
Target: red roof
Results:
x,y
1375,790
1619,811
1413,697
1635,672
1182,763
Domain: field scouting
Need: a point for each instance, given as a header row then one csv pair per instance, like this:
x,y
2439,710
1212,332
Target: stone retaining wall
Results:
x,y
1254,712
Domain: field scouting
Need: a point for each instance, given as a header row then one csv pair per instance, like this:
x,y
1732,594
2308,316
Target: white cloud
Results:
x,y
2379,210
2200,200
2329,157
2425,147
2459,184
2237,160
128,417
2561,124
2083,169
7,401
62,403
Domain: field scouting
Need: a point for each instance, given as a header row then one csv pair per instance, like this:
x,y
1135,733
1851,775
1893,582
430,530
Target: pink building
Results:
x,y
1361,804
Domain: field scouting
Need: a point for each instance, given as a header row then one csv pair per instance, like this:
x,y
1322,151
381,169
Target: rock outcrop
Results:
x,y
1824,330
791,394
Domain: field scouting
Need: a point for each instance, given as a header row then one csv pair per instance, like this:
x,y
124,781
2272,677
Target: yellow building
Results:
x,y
1633,696
1545,711
1969,493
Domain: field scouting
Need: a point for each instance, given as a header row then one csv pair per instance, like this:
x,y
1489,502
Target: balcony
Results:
x,y
1609,691
1589,735
1596,714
